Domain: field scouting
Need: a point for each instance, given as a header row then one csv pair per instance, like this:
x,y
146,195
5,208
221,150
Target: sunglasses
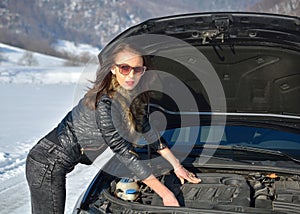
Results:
x,y
126,69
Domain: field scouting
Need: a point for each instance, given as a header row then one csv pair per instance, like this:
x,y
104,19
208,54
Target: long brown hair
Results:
x,y
106,83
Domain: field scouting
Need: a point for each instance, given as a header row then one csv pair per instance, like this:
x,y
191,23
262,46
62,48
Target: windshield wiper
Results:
x,y
249,149
263,151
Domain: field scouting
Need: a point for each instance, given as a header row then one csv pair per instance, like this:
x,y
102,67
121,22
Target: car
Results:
x,y
228,104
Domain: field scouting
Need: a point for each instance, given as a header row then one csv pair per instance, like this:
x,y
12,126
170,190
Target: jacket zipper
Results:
x,y
82,150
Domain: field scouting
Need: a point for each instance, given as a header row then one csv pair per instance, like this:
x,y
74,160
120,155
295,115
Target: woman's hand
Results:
x,y
184,174
179,170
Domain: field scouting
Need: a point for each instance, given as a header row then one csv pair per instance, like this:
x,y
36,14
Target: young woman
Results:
x,y
107,111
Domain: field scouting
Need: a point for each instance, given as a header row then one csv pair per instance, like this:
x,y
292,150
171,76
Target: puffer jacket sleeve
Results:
x,y
123,149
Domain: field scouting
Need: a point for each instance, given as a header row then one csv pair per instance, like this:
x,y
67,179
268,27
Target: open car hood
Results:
x,y
256,57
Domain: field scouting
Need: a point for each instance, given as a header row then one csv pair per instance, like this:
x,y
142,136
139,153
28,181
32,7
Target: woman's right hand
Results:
x,y
170,200
167,195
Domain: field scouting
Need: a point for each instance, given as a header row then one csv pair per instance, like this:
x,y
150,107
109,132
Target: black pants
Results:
x,y
46,168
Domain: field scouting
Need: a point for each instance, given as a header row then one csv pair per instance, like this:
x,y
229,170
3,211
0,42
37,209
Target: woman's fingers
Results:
x,y
184,174
181,180
192,178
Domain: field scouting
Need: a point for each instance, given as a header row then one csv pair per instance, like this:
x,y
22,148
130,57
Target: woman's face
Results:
x,y
131,80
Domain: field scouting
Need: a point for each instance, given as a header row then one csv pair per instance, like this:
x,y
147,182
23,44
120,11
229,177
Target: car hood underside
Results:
x,y
255,79
255,56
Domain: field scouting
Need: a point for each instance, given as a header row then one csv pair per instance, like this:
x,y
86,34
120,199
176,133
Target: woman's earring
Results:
x,y
112,70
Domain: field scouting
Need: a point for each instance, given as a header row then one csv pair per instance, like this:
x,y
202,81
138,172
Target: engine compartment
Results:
x,y
231,192
213,192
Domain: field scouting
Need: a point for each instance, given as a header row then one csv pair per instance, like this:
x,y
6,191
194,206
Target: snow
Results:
x,y
12,55
34,99
74,49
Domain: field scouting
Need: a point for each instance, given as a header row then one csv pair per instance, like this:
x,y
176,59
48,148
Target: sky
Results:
x,y
34,99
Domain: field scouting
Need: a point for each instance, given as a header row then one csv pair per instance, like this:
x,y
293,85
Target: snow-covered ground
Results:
x,y
33,100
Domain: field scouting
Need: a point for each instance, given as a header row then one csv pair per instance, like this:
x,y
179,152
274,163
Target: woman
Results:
x,y
100,115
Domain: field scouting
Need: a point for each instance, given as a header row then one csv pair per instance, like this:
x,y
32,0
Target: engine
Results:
x,y
232,192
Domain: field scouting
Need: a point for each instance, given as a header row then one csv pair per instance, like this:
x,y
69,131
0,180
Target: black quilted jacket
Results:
x,y
84,134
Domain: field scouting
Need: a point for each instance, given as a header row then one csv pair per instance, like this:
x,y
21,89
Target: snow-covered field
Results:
x,y
33,100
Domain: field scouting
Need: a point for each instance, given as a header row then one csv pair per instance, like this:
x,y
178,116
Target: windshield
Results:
x,y
246,136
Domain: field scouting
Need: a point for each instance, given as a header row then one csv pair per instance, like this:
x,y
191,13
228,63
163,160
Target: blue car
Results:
x,y
227,100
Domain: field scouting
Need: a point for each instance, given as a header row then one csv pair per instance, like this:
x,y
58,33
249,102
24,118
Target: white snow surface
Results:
x,y
33,101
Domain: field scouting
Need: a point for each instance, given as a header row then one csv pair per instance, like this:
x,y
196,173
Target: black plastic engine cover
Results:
x,y
215,191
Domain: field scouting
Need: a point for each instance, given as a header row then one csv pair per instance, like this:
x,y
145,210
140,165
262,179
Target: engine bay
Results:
x,y
230,192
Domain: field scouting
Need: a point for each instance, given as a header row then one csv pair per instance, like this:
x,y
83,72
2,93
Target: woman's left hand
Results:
x,y
184,174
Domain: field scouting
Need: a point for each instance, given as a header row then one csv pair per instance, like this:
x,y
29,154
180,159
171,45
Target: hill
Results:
x,y
39,25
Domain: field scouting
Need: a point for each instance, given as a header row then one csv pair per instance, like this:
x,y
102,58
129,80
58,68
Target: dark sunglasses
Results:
x,y
126,69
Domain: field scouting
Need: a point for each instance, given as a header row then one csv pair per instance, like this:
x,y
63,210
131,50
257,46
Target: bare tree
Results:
x,y
2,57
28,59
77,60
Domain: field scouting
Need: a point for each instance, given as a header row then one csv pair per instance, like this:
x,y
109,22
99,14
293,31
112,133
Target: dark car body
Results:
x,y
253,166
